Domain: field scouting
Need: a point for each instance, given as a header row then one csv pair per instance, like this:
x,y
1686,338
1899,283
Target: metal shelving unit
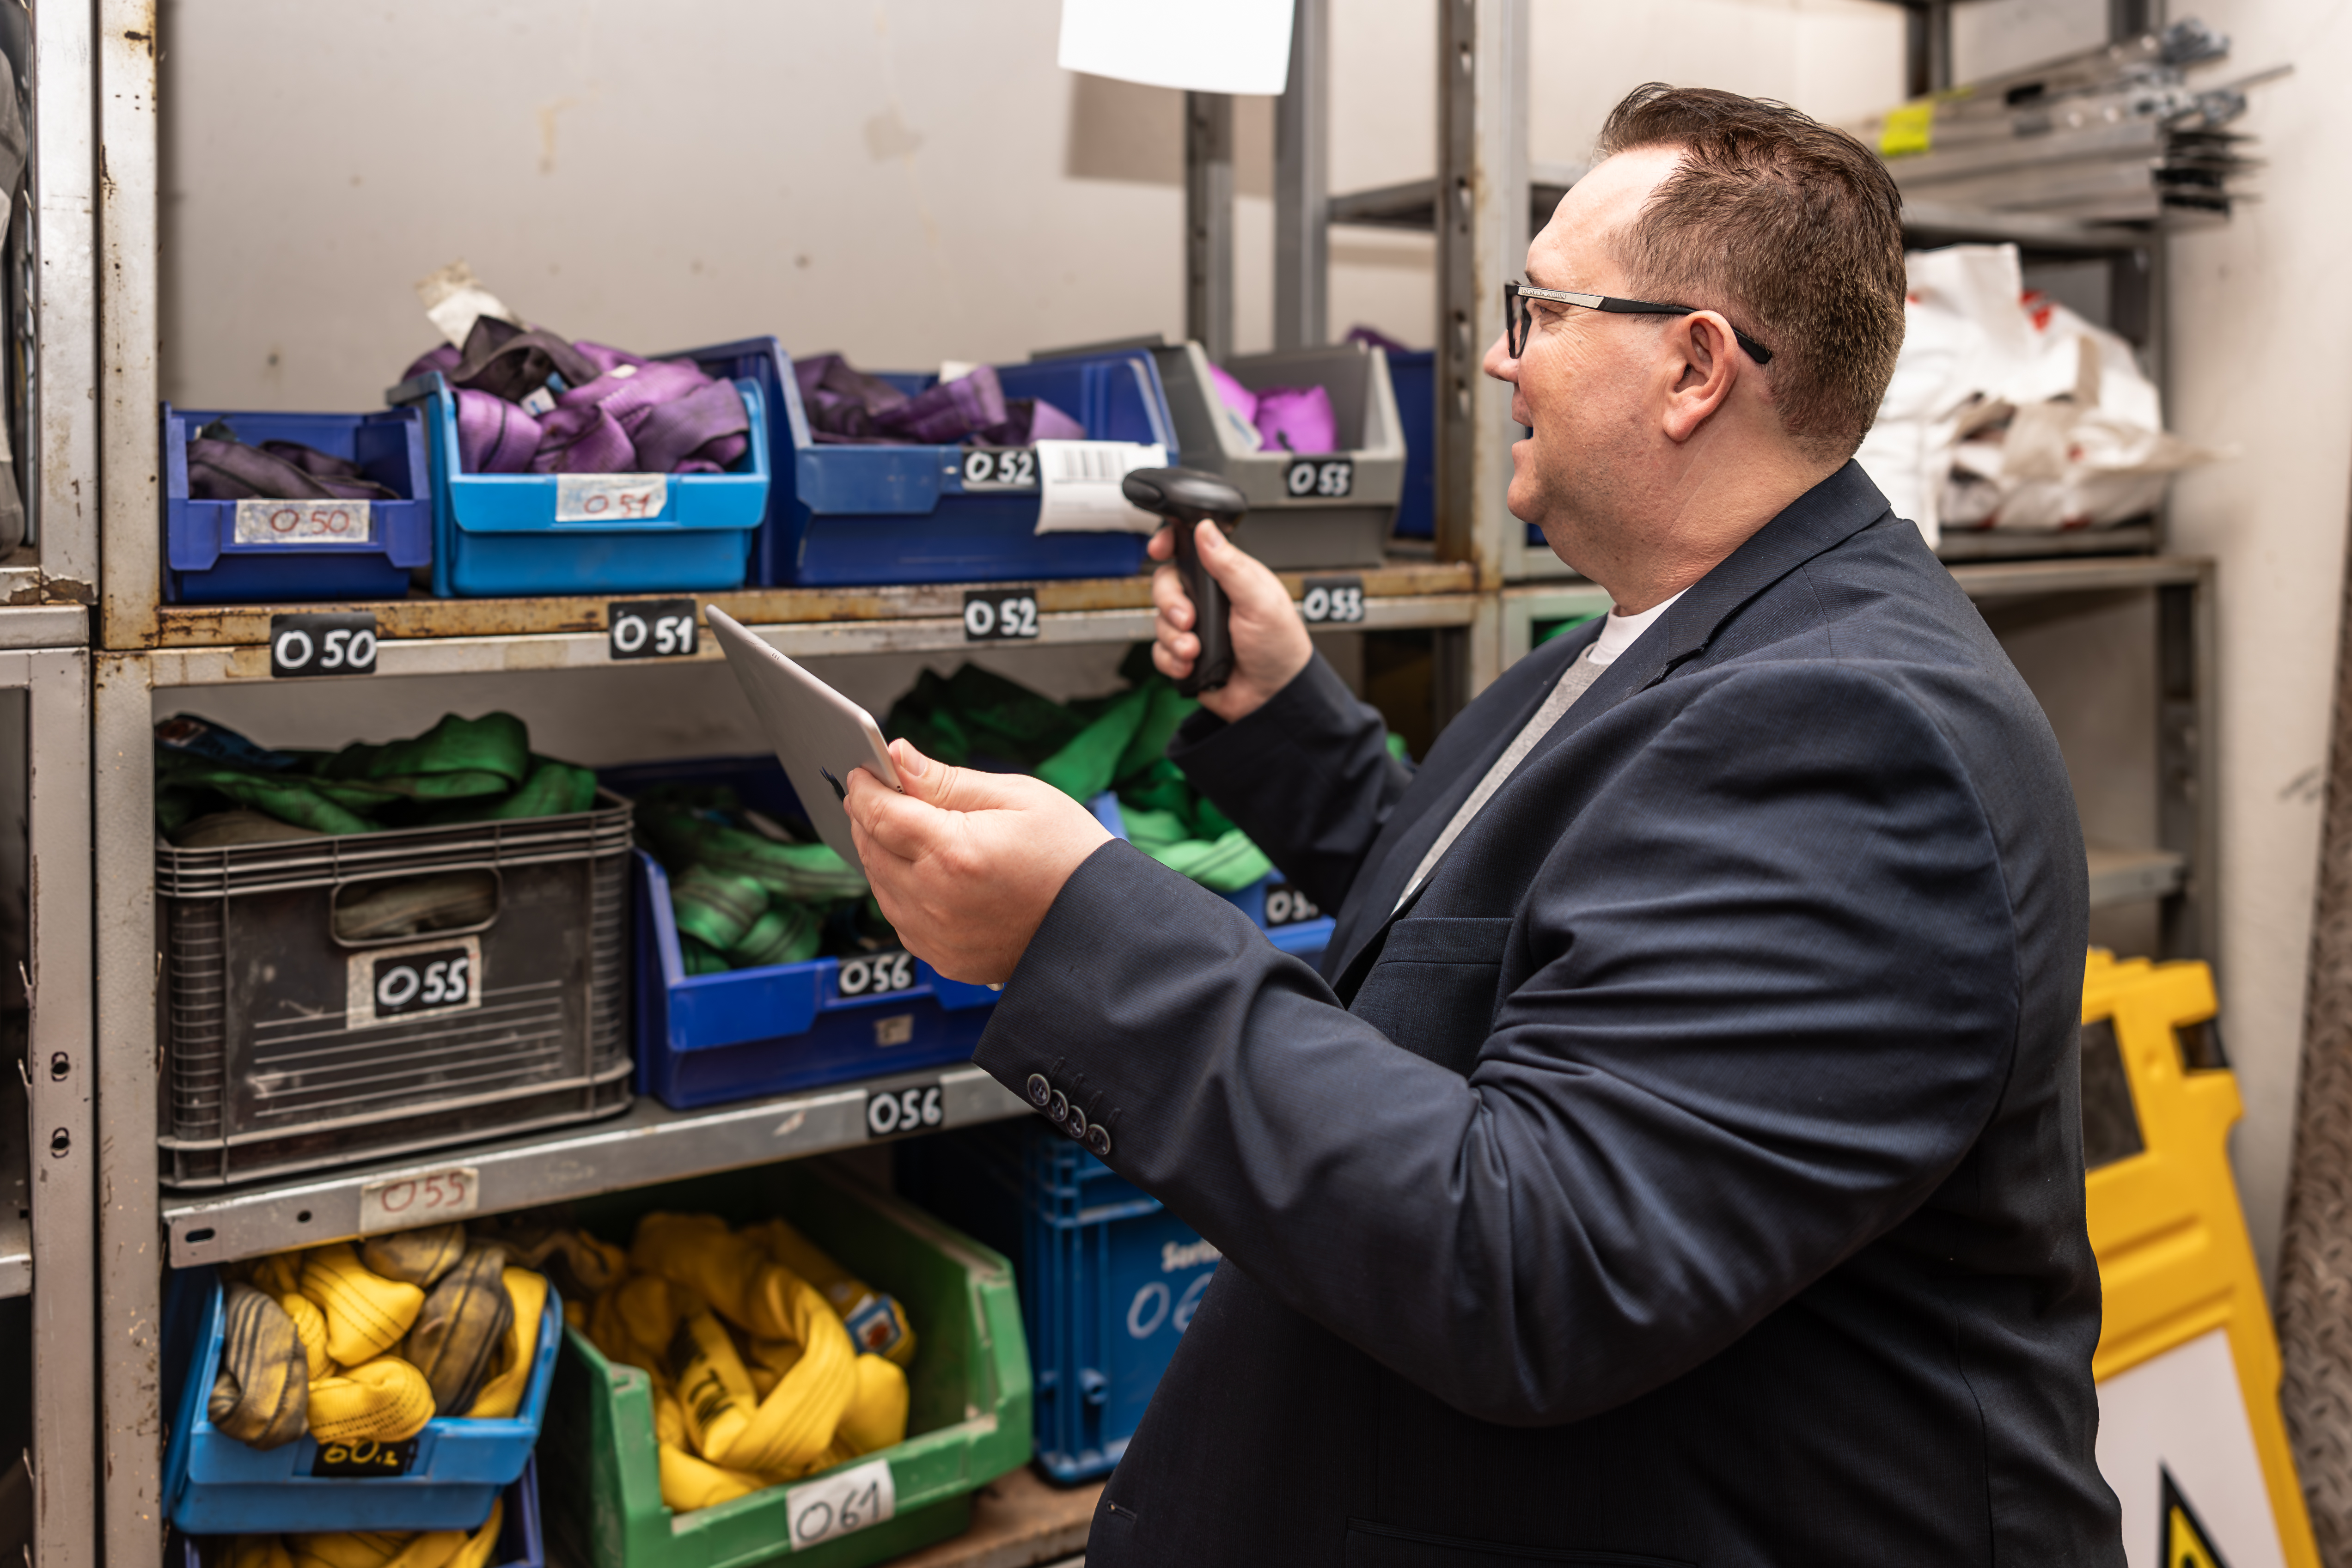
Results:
x,y
1480,598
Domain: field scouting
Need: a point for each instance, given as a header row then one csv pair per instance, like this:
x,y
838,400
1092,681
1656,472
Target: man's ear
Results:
x,y
1705,363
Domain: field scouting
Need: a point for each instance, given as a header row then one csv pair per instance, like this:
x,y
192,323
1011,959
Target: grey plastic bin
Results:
x,y
1293,523
288,1048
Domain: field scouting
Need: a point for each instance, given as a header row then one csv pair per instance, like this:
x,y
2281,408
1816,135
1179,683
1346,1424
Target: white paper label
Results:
x,y
1080,484
841,1503
610,498
428,1197
284,522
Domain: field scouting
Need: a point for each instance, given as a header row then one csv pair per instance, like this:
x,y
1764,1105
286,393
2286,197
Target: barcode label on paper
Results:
x,y
1078,483
610,498
289,522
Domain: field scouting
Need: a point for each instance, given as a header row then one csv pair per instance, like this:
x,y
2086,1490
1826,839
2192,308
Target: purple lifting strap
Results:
x,y
494,436
274,471
584,439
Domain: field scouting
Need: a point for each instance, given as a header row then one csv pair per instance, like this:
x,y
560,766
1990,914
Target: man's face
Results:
x,y
1585,378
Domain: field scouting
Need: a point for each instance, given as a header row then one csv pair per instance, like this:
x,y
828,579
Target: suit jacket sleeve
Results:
x,y
1771,999
1307,777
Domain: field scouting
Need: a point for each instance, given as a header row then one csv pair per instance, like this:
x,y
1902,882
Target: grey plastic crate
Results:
x,y
289,1049
1288,530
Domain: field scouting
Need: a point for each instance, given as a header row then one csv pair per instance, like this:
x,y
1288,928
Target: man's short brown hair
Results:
x,y
1791,228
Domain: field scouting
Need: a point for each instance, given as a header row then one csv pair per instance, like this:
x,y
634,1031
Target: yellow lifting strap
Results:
x,y
2190,1436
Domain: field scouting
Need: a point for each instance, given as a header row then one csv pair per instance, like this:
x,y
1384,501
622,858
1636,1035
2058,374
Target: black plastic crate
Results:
x,y
290,1048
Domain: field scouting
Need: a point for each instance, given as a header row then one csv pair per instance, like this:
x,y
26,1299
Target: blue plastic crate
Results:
x,y
851,516
215,1485
1286,916
521,1543
497,533
1110,1280
703,1039
206,564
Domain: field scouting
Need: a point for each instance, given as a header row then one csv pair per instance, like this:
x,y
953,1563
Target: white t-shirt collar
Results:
x,y
1619,630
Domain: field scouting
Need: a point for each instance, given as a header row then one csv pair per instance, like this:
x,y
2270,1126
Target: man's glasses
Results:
x,y
1516,315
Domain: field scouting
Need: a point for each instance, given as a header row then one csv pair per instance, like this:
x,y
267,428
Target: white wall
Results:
x,y
907,180
2259,312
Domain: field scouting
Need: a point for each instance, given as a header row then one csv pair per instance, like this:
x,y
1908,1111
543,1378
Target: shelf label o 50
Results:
x,y
650,629
1332,601
288,522
1000,614
338,643
841,1503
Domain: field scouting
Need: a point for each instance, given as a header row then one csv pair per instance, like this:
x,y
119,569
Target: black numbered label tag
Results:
x,y
1000,469
650,628
876,975
1319,478
341,644
365,1459
999,614
890,1111
1332,600
423,979
1285,906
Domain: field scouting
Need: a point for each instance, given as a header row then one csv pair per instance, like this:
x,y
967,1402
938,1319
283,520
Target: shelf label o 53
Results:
x,y
339,644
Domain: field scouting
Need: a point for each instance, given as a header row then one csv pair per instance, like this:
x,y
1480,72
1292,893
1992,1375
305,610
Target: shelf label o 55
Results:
x,y
339,644
1332,600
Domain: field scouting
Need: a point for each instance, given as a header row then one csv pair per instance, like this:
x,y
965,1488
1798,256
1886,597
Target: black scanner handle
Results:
x,y
1186,496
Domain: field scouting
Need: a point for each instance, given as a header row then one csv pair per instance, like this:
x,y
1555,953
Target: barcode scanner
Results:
x,y
1186,496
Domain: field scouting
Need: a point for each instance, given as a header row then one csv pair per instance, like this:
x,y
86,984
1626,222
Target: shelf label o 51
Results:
x,y
339,644
650,629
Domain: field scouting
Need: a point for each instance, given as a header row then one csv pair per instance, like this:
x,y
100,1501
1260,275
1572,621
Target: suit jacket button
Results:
x,y
1098,1140
1077,1125
1039,1090
1060,1109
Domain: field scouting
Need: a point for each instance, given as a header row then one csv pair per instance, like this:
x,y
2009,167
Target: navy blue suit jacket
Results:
x,y
1693,1173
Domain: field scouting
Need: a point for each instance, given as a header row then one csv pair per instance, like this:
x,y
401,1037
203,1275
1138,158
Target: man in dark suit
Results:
x,y
1678,1160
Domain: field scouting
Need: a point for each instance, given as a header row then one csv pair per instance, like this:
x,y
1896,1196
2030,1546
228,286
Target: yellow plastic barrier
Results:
x,y
2190,1436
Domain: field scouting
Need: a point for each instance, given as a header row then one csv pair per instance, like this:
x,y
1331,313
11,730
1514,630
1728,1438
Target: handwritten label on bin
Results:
x,y
841,1503
364,1460
297,522
610,498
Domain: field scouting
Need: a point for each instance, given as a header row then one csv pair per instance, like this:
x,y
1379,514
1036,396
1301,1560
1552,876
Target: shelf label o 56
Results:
x,y
890,1111
338,643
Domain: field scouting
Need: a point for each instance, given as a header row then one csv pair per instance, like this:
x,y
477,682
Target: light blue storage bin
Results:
x,y
215,1485
497,533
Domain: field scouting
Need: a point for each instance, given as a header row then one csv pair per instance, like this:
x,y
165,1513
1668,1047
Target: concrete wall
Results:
x,y
906,179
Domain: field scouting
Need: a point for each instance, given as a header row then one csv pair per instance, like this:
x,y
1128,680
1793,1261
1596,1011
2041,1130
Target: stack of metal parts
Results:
x,y
2112,134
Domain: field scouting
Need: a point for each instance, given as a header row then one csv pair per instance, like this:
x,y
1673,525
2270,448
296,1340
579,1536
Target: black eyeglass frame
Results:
x,y
1517,315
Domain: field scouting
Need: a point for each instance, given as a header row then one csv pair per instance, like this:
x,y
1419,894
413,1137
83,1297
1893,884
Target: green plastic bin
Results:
x,y
967,1419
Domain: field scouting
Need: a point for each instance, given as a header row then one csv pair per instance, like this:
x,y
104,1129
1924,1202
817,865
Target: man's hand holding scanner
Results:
x,y
965,864
1269,641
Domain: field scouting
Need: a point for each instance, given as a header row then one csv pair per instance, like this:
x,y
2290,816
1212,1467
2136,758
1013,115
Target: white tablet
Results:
x,y
819,735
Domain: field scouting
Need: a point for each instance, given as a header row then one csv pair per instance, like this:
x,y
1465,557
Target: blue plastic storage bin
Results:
x,y
1289,920
1109,1278
204,563
521,1543
497,533
854,515
703,1039
1412,376
215,1485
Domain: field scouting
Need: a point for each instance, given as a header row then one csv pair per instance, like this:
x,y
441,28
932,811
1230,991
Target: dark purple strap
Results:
x,y
232,471
949,411
584,439
494,436
511,362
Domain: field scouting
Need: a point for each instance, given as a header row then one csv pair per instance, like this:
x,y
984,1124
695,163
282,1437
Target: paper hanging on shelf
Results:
x,y
1201,46
1079,485
454,299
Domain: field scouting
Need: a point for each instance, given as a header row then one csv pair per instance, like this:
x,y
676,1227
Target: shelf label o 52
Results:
x,y
338,643
1000,614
